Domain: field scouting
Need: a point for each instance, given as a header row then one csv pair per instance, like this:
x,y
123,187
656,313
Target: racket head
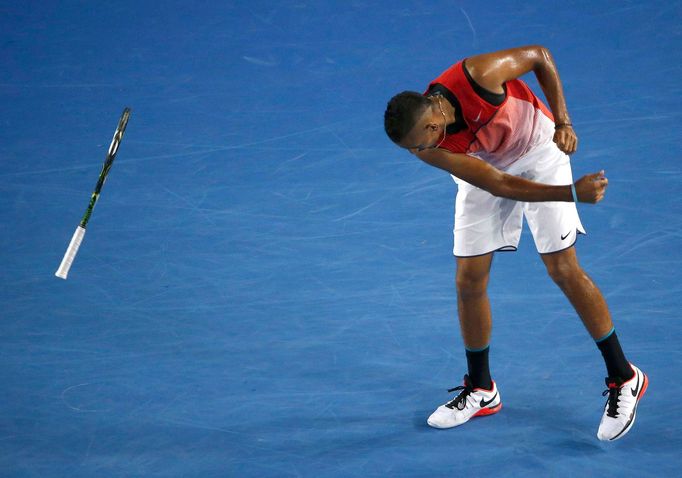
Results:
x,y
118,135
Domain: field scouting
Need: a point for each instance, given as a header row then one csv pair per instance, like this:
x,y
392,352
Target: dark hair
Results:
x,y
402,112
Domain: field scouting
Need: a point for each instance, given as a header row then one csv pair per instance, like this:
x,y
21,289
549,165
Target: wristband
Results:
x,y
575,195
562,125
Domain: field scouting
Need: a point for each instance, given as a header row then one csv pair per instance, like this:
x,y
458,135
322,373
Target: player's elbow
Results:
x,y
542,56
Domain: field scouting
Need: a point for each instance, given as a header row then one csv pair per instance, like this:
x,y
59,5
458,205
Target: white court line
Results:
x,y
471,25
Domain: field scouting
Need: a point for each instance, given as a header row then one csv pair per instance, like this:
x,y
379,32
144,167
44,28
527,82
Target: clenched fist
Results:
x,y
566,139
592,187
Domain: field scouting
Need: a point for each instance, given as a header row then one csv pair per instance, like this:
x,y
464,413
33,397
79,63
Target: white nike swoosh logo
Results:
x,y
478,117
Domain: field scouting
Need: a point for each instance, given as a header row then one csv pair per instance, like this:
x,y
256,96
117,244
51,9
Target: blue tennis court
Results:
x,y
266,288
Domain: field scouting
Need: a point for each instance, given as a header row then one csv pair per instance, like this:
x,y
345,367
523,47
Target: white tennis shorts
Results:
x,y
485,223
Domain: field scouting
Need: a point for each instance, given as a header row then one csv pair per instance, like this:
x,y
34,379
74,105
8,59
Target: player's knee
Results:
x,y
563,271
471,284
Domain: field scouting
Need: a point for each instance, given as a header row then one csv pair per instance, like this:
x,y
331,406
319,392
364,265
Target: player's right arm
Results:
x,y
492,70
590,188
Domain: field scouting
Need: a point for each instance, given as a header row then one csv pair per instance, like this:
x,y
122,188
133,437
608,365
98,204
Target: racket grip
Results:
x,y
71,252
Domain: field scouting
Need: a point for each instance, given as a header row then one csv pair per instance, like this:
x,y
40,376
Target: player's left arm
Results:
x,y
491,70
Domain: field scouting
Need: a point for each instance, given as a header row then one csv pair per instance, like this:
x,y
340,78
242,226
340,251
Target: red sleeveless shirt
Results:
x,y
500,133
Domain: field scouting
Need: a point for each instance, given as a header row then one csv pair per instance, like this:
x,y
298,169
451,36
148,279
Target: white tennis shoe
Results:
x,y
620,410
470,402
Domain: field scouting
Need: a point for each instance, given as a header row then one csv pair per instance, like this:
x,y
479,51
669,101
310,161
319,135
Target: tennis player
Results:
x,y
508,154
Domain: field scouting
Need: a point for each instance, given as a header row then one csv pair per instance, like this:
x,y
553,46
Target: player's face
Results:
x,y
426,133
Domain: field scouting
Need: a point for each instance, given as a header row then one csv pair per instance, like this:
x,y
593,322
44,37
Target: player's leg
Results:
x,y
483,223
589,303
478,395
475,319
555,226
580,290
472,300
626,383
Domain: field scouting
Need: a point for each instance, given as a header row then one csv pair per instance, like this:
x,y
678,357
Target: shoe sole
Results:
x,y
624,431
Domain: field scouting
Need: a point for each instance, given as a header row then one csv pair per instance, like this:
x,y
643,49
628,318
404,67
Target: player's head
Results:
x,y
414,121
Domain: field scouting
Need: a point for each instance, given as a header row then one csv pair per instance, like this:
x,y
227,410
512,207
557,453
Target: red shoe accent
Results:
x,y
644,387
488,411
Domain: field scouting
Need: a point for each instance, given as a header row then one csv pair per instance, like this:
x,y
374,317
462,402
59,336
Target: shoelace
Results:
x,y
612,402
460,401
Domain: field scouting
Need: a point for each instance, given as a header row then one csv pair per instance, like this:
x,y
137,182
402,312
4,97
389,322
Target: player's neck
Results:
x,y
449,110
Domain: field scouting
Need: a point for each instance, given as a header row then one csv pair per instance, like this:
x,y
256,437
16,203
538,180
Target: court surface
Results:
x,y
266,286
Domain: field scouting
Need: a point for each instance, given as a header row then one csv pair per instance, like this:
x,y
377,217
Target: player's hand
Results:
x,y
592,187
566,139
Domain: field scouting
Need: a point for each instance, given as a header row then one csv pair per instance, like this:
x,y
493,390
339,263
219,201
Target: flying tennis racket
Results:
x,y
77,238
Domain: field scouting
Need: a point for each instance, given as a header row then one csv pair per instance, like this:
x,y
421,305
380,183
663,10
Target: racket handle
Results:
x,y
71,252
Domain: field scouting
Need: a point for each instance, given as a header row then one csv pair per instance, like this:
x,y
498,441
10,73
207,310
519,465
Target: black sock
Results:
x,y
479,373
616,363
